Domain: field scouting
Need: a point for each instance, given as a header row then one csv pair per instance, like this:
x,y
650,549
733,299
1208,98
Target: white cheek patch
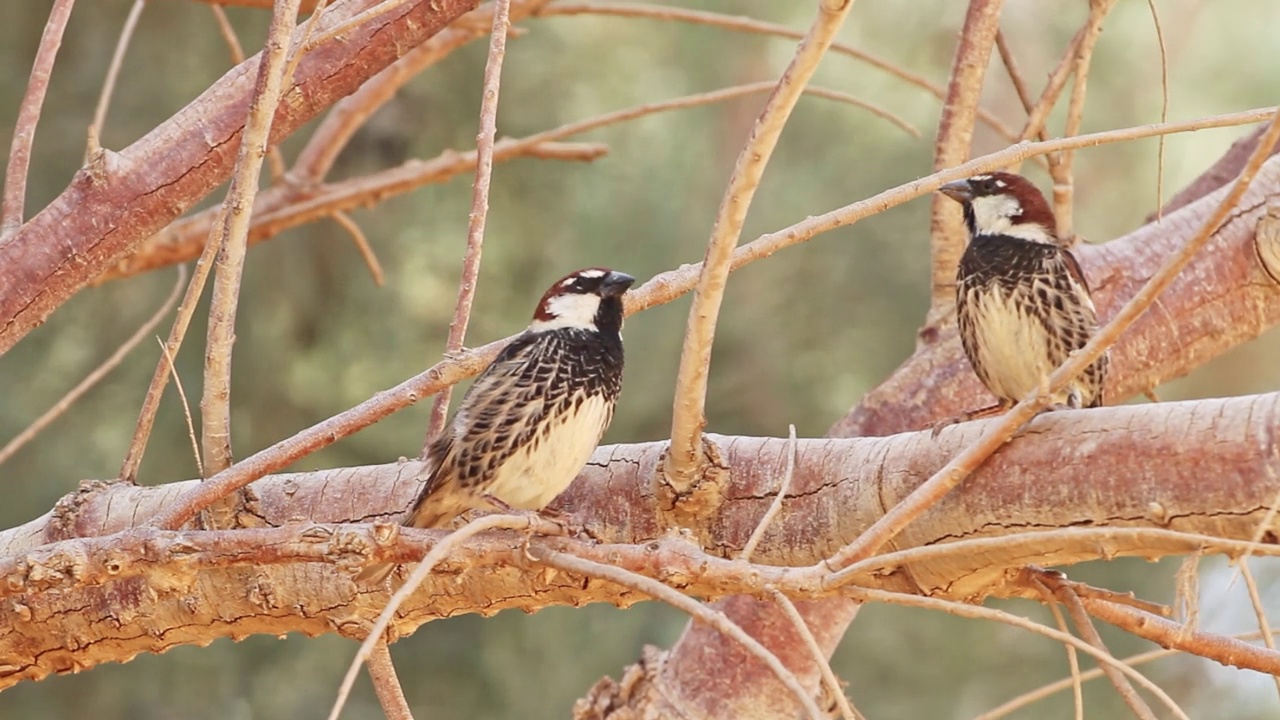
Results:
x,y
574,310
992,213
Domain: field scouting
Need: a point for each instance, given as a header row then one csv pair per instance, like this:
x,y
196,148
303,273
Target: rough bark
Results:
x,y
89,582
120,199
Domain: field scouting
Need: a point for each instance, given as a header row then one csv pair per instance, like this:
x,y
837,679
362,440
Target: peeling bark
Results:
x,y
89,582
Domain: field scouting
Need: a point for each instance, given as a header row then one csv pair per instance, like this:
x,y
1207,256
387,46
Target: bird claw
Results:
x,y
938,426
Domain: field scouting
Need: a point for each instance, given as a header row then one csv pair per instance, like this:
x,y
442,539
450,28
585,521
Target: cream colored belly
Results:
x,y
531,480
1013,346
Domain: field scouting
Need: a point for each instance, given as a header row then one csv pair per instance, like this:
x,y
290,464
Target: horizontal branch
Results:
x,y
113,205
1076,486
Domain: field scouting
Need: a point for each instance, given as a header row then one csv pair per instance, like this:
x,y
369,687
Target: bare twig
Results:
x,y
387,684
277,211
1259,610
530,522
1073,659
1169,634
981,613
24,129
228,33
1046,690
847,710
689,413
90,380
1086,629
186,407
954,144
661,289
1052,89
998,433
362,244
1164,106
775,507
479,208
231,239
1010,62
1064,180
113,72
151,401
274,156
751,25
698,611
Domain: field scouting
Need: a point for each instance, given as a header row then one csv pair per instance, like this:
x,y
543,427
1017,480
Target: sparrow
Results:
x,y
1022,303
531,420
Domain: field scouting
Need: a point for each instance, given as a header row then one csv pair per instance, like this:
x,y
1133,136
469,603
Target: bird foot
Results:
x,y
989,411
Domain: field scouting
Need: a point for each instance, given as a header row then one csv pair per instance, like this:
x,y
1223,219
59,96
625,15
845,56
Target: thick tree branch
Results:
x,y
163,585
110,208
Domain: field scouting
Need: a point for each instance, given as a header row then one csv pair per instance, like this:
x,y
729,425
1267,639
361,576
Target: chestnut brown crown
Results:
x,y
1003,203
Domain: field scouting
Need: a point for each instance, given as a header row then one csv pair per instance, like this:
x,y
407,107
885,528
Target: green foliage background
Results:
x,y
803,335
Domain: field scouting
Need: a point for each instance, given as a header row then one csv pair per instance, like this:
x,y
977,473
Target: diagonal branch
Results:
x,y
106,213
479,207
689,412
231,239
955,143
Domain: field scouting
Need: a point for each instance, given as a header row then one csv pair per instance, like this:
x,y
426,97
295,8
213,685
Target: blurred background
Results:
x,y
801,338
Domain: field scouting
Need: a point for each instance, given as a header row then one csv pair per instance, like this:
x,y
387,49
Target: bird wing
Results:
x,y
501,410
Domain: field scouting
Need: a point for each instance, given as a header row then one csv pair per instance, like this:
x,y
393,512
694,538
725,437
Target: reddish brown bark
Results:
x,y
123,198
69,575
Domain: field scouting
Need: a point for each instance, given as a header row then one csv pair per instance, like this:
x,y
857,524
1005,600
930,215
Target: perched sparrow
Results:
x,y
1021,300
531,420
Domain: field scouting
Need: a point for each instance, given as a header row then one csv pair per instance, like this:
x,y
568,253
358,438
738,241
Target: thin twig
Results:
x,y
1010,62
231,239
186,406
24,129
1164,107
159,378
1052,90
751,25
698,611
847,710
982,613
479,208
274,157
1048,689
386,684
1073,658
689,413
661,289
92,379
362,244
531,522
998,433
1169,634
275,212
775,507
113,72
954,145
1084,625
1259,610
1064,181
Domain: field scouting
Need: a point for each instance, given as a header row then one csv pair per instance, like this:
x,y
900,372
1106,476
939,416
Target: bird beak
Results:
x,y
958,190
615,284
